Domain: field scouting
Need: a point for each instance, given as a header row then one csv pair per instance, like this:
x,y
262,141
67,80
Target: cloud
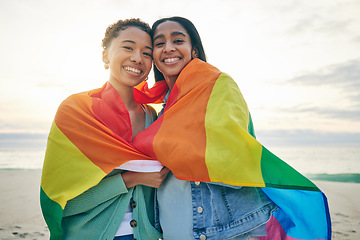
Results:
x,y
317,24
345,78
250,40
352,114
22,140
319,17
345,75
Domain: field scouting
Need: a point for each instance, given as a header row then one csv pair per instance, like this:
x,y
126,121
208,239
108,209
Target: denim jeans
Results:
x,y
215,210
125,237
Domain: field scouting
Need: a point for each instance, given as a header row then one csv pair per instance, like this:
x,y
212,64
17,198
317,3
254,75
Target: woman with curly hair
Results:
x,y
86,190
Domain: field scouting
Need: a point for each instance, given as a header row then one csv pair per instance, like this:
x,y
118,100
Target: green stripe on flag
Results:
x,y
278,174
52,213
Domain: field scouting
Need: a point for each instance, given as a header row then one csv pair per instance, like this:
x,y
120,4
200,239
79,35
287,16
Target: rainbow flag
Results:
x,y
90,136
206,134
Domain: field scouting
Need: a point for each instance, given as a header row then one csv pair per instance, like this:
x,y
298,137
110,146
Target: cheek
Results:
x,y
148,64
187,58
156,56
187,53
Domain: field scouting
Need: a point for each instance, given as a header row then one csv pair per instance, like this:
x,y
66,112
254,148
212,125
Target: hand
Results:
x,y
150,179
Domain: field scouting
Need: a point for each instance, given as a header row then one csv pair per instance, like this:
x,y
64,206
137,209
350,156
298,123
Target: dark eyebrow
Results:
x,y
158,36
178,33
131,41
172,34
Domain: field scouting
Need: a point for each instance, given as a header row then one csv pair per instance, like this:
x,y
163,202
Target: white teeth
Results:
x,y
169,60
132,69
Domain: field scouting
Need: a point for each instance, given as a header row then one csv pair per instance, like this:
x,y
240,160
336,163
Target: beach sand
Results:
x,y
20,214
21,218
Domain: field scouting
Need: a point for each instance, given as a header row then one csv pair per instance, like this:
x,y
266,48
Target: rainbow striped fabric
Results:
x,y
90,136
206,134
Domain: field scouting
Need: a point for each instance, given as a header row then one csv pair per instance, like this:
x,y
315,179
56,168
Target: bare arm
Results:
x,y
151,179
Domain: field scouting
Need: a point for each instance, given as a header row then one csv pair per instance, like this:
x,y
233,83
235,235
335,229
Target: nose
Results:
x,y
169,47
136,57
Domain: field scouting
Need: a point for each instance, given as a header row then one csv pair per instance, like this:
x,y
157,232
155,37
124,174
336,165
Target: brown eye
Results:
x,y
178,41
158,44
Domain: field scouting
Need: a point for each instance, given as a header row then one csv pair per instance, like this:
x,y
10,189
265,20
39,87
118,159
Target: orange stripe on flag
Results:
x,y
194,97
105,149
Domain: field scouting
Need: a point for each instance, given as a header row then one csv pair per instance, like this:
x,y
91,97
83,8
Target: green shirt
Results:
x,y
98,212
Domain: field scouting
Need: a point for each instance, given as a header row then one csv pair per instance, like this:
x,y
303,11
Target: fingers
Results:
x,y
164,171
158,178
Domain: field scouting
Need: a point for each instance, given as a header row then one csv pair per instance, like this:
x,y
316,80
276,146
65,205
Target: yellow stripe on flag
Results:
x,y
61,153
226,123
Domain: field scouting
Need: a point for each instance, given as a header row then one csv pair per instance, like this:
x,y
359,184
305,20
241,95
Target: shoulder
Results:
x,y
81,97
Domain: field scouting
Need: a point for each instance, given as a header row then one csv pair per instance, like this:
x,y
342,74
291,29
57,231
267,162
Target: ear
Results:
x,y
194,52
105,56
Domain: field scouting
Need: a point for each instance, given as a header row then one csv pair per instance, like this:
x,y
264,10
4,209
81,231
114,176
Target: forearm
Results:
x,y
106,189
111,187
150,179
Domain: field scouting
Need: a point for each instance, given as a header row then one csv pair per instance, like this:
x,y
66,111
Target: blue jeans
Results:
x,y
216,210
125,237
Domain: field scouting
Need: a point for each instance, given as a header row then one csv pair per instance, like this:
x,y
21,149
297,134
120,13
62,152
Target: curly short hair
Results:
x,y
113,30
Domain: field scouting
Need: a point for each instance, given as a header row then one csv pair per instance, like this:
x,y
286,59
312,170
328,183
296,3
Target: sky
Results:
x,y
297,63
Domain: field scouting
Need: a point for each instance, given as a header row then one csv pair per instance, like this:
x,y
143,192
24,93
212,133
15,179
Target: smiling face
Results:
x,y
129,57
172,50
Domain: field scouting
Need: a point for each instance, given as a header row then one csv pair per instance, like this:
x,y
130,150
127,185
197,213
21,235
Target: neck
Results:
x,y
170,81
126,94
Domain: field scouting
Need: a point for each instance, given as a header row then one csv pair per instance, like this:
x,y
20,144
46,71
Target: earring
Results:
x,y
106,65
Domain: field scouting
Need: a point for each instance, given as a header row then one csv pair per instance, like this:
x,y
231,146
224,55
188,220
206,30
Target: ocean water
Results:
x,y
333,163
318,163
21,158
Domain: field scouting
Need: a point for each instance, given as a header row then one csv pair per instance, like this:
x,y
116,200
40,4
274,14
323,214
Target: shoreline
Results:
x,y
21,214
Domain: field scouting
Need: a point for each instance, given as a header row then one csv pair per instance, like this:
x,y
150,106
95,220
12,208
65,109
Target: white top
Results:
x,y
137,166
125,228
